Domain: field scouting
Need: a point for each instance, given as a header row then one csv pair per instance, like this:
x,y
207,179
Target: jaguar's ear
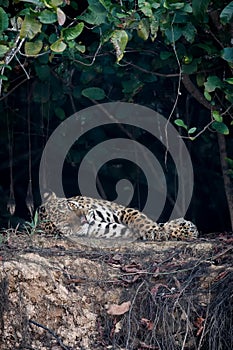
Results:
x,y
48,195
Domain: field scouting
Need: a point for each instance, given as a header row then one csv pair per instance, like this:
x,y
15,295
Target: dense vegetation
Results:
x,y
176,57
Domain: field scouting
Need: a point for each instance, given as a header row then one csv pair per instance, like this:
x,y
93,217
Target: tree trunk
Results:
x,y
227,181
193,90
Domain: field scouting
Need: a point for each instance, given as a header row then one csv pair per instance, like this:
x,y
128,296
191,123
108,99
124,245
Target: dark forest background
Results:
x,y
175,57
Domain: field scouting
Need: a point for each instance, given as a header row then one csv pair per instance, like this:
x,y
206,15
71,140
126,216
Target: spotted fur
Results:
x,y
86,216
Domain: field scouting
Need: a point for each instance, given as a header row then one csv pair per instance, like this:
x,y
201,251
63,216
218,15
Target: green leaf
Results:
x,y
47,17
106,37
189,32
192,130
229,161
71,44
33,48
146,9
227,13
229,80
3,77
52,38
95,14
4,22
119,39
213,82
229,97
30,27
176,6
220,128
3,50
131,86
5,66
217,116
56,3
181,123
80,48
207,96
59,46
60,113
5,3
200,8
155,5
180,17
94,93
73,32
143,29
74,5
227,54
187,8
106,4
173,34
200,78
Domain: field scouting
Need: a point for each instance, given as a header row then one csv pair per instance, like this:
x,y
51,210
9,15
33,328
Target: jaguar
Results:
x,y
99,218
